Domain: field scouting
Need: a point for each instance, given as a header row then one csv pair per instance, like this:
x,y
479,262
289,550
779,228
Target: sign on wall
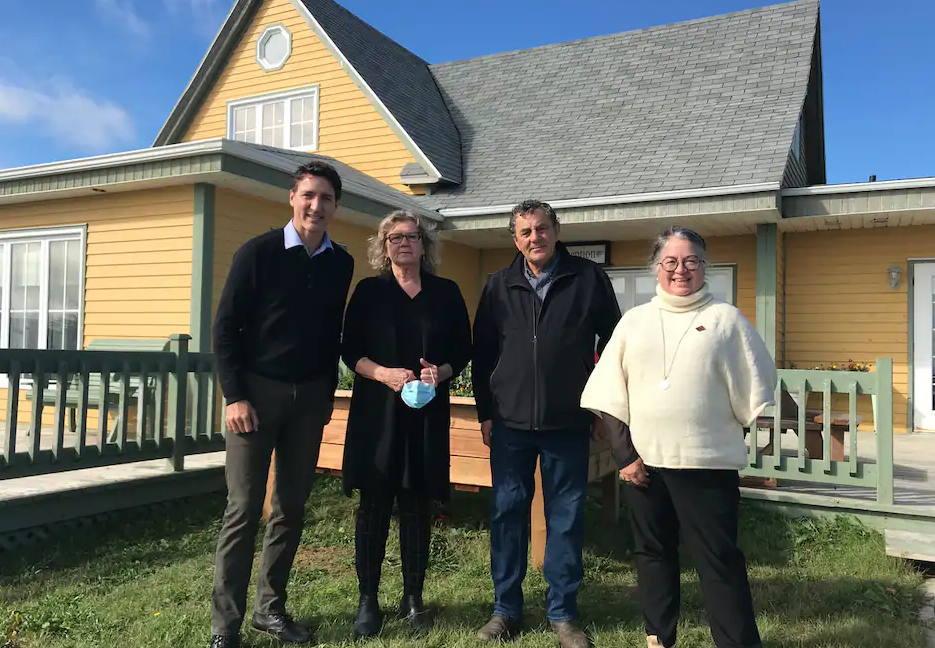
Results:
x,y
596,251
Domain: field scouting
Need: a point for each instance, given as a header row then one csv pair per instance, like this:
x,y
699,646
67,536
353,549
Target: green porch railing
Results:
x,y
819,455
173,394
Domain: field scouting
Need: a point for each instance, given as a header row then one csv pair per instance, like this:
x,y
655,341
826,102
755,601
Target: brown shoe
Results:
x,y
499,629
570,635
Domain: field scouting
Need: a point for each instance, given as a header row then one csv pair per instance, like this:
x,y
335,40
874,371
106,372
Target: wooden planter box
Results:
x,y
470,463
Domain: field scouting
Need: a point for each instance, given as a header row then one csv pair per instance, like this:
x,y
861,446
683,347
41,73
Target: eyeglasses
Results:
x,y
671,264
397,238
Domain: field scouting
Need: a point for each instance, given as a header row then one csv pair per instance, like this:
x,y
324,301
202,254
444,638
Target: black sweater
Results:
x,y
280,314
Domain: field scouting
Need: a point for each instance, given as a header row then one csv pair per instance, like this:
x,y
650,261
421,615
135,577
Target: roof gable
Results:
x,y
400,80
406,97
706,103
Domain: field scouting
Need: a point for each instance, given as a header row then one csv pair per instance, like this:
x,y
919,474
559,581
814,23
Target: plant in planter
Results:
x,y
850,365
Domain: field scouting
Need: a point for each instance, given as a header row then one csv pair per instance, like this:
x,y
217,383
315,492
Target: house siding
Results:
x,y
350,128
839,305
796,174
138,262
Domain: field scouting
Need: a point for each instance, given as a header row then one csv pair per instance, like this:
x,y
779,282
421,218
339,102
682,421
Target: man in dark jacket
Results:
x,y
534,344
277,337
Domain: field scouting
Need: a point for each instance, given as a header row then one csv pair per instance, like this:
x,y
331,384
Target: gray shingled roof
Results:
x,y
706,103
400,79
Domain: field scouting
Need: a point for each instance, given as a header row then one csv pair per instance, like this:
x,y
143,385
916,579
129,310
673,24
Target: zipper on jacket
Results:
x,y
535,362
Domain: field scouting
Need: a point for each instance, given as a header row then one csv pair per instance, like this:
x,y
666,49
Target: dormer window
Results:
x,y
284,119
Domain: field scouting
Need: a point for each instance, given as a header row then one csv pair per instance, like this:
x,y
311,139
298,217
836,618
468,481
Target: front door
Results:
x,y
923,326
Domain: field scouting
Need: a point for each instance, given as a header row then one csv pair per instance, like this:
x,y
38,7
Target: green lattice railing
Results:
x,y
171,393
819,455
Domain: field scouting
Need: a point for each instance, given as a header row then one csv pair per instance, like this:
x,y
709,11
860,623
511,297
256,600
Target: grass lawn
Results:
x,y
143,579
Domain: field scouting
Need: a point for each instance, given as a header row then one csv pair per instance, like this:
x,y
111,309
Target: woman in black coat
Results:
x,y
406,332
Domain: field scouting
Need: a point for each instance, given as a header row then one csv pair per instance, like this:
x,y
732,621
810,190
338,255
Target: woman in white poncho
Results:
x,y
678,382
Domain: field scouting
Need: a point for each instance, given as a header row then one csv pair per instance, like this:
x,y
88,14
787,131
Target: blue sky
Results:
x,y
85,77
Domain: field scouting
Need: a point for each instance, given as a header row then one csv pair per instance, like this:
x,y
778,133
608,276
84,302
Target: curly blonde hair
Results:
x,y
376,252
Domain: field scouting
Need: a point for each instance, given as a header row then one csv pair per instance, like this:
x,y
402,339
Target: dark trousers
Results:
x,y
563,455
372,529
705,505
291,420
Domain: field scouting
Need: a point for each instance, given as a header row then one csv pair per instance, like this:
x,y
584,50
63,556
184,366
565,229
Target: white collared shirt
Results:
x,y
292,239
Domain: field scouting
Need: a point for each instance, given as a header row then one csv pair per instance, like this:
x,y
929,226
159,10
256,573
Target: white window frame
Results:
x,y
45,236
257,101
261,59
728,269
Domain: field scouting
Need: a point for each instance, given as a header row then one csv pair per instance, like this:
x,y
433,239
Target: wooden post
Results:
x,y
178,392
537,523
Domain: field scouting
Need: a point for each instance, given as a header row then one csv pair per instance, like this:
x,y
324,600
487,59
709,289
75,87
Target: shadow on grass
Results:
x,y
145,538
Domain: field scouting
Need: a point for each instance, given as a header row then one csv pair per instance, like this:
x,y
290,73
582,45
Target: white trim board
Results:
x,y
600,201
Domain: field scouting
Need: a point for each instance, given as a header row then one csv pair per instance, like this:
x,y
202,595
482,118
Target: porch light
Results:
x,y
894,273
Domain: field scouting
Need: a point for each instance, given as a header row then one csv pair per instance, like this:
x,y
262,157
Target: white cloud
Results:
x,y
68,114
125,15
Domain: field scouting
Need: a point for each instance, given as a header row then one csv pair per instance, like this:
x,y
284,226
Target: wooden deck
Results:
x,y
913,471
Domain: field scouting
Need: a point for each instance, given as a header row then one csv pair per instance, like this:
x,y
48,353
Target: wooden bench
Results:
x,y
73,393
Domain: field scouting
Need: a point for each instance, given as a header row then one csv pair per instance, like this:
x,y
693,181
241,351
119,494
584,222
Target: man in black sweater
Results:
x,y
277,340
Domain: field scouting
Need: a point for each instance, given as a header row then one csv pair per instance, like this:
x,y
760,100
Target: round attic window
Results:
x,y
273,48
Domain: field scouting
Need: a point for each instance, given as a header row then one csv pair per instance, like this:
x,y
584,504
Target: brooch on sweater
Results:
x,y
699,328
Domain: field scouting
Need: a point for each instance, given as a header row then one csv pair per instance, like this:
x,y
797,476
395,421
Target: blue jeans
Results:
x,y
564,462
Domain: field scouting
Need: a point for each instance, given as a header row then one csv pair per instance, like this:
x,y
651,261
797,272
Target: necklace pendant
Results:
x,y
664,385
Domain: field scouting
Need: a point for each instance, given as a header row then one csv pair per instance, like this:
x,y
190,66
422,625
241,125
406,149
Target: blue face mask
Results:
x,y
417,394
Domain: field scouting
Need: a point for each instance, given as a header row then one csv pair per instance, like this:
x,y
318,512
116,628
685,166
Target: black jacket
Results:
x,y
532,358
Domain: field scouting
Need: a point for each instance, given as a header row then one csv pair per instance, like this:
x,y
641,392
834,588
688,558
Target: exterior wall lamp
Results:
x,y
894,272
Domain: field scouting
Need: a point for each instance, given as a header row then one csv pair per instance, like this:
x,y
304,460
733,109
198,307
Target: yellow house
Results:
x,y
715,123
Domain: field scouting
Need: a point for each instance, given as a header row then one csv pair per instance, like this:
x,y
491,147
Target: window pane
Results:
x,y
17,326
296,107
273,114
58,251
645,289
308,134
18,275
33,275
56,331
71,331
295,136
73,276
273,122
309,112
32,330
720,285
240,119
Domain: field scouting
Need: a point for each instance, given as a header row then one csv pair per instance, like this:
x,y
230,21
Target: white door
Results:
x,y
923,325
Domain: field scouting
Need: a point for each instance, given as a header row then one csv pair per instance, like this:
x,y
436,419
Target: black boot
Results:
x,y
372,527
369,618
415,613
415,528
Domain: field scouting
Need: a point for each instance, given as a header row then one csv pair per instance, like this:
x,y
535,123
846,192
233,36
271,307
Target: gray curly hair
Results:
x,y
677,231
376,252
